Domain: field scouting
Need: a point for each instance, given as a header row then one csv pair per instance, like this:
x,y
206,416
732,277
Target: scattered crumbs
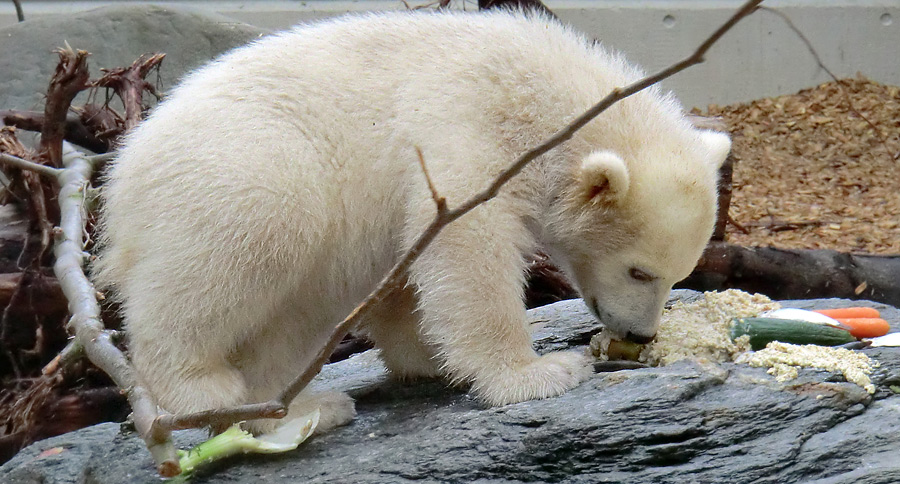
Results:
x,y
783,373
784,360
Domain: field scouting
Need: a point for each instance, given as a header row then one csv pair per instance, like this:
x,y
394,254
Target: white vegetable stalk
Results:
x,y
237,441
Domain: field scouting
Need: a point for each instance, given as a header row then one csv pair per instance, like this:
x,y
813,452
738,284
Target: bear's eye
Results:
x,y
639,275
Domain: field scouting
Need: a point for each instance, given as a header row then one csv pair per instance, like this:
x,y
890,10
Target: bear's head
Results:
x,y
628,223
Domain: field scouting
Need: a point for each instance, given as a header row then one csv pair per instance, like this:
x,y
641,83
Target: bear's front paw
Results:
x,y
547,376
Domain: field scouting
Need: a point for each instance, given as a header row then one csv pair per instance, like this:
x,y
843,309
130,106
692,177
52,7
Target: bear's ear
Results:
x,y
603,177
718,144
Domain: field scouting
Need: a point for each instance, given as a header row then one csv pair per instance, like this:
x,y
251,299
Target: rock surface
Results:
x,y
115,36
684,423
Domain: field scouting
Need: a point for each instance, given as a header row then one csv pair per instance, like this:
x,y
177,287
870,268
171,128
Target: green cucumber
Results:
x,y
764,330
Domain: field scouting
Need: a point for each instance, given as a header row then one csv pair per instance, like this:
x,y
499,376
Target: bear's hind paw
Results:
x,y
335,409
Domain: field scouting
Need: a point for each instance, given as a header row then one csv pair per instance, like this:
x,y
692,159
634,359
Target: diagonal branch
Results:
x,y
443,217
22,164
20,14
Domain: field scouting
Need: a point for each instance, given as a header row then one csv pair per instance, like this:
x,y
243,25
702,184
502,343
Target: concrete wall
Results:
x,y
760,57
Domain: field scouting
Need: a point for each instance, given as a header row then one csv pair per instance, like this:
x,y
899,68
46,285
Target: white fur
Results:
x,y
274,187
604,176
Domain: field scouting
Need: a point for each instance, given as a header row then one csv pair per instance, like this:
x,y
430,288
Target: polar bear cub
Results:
x,y
273,188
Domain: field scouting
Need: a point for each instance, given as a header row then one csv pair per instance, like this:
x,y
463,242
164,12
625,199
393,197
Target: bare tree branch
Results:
x,y
89,331
129,84
440,201
70,172
75,130
397,275
20,14
40,213
21,164
70,78
224,417
99,160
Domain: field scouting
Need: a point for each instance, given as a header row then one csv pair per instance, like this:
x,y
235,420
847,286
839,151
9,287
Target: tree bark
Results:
x,y
797,273
75,129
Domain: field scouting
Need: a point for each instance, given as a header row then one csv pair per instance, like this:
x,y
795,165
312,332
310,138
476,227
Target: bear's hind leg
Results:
x,y
274,357
393,325
188,384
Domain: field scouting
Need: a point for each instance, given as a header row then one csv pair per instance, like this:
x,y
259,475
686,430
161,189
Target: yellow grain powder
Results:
x,y
785,359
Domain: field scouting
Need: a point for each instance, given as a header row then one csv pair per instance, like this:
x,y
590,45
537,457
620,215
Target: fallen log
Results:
x,y
777,273
797,273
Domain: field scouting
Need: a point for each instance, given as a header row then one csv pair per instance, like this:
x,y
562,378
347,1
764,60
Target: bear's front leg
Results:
x,y
469,285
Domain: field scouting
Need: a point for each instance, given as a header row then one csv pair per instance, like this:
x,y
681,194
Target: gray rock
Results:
x,y
684,423
115,36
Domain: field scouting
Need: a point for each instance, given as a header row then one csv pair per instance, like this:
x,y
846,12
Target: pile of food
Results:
x,y
698,330
725,327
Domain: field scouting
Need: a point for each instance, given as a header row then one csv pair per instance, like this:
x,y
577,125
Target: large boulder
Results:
x,y
115,36
685,423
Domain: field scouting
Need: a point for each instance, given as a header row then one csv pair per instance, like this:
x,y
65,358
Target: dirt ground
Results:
x,y
818,169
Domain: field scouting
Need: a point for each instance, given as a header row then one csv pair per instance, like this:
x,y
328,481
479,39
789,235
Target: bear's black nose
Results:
x,y
639,338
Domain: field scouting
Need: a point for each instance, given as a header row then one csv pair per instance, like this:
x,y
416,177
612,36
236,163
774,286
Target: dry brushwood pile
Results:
x,y
818,169
36,404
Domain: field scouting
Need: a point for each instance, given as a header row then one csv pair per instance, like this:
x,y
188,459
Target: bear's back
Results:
x,y
379,61
292,123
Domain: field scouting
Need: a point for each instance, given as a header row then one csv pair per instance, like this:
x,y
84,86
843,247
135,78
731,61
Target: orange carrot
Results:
x,y
866,327
847,313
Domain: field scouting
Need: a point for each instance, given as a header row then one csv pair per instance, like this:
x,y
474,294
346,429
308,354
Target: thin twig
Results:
x,y
99,161
270,409
440,201
20,14
73,352
40,213
791,25
737,225
442,218
22,164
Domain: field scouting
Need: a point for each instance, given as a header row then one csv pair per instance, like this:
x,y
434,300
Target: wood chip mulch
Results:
x,y
818,169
